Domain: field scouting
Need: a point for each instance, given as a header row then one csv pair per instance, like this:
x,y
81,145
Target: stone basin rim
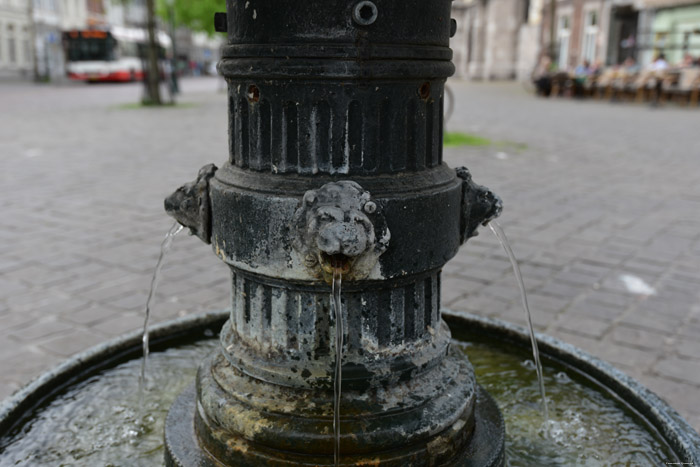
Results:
x,y
16,410
683,440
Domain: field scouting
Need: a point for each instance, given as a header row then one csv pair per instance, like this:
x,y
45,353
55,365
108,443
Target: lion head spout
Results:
x,y
339,226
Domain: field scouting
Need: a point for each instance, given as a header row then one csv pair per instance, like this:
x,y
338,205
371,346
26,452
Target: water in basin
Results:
x,y
97,421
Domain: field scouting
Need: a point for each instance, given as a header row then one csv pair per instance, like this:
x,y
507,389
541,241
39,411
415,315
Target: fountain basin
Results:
x,y
54,408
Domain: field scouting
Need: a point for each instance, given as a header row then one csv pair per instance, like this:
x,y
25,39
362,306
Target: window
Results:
x,y
526,13
563,33
25,45
11,51
80,48
590,36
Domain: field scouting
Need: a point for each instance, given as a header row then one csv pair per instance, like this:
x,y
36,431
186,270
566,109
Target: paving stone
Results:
x,y
578,324
532,271
637,338
40,329
125,285
594,310
455,287
561,290
637,266
8,263
33,360
685,370
662,306
83,243
132,302
585,343
483,271
480,304
516,314
546,303
72,342
10,285
693,420
577,279
120,324
93,314
39,275
692,327
620,300
631,358
11,321
688,347
63,306
506,291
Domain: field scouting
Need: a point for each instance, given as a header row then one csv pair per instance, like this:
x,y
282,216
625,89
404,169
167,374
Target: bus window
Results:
x,y
128,49
89,47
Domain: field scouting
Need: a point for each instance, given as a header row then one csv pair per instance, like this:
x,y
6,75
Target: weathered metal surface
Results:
x,y
335,159
190,204
339,226
422,208
486,450
479,205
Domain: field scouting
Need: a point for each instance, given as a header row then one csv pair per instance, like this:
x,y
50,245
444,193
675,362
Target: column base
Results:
x,y
473,437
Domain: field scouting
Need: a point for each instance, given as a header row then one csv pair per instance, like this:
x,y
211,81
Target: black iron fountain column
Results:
x,y
335,132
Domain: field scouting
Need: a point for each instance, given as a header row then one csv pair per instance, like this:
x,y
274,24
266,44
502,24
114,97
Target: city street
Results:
x,y
602,205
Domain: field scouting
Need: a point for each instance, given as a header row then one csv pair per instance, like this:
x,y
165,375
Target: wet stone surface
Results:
x,y
593,193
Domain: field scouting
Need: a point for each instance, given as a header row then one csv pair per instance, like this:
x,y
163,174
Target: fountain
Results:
x,y
335,169
335,162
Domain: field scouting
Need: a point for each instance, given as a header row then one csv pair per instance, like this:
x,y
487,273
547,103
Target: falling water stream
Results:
x,y
164,248
337,379
501,235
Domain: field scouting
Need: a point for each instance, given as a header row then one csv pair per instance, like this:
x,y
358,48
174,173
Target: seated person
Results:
x,y
581,73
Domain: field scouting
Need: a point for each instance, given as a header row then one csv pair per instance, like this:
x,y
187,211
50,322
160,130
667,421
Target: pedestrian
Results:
x,y
542,76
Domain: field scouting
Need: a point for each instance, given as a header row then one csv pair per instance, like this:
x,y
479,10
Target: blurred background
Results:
x,y
582,115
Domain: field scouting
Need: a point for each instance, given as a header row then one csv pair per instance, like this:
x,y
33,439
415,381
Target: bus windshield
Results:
x,y
89,45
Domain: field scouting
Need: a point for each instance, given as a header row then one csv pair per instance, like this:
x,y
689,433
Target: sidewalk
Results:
x,y
602,205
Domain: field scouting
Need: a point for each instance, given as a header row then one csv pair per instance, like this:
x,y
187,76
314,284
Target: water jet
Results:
x,y
335,163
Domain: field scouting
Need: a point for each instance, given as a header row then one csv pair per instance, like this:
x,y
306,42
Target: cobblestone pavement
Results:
x,y
602,207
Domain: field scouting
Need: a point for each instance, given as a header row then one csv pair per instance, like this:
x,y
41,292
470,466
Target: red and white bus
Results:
x,y
113,55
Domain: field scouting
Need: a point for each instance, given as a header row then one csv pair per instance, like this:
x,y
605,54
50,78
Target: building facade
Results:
x,y
74,14
128,14
16,58
504,39
496,39
611,31
675,30
581,31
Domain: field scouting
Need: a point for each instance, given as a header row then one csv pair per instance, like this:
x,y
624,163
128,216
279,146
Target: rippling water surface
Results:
x,y
97,422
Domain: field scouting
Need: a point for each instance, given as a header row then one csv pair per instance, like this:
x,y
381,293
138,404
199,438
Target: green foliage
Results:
x,y
197,15
464,139
456,139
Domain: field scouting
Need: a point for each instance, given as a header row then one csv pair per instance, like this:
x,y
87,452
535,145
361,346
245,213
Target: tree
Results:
x,y
198,15
153,74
